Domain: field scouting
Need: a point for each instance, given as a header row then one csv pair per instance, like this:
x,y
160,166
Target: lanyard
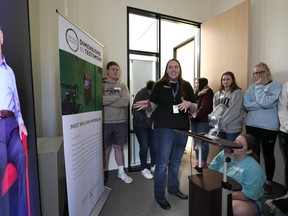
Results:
x,y
174,93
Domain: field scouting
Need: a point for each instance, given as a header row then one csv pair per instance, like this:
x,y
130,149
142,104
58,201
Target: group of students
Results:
x,y
171,100
265,104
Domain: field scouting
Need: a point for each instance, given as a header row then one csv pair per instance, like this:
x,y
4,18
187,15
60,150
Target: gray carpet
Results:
x,y
137,198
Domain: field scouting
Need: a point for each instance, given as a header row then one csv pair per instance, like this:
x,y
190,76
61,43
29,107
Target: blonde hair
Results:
x,y
266,68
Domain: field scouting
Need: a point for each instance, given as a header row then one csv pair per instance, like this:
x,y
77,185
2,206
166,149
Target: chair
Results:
x,y
11,175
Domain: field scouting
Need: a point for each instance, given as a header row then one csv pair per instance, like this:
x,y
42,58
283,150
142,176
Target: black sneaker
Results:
x,y
267,190
285,190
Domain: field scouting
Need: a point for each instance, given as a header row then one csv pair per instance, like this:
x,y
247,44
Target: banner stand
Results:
x,y
81,62
101,202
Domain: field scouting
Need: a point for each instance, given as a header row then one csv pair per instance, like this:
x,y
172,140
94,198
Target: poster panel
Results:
x,y
81,101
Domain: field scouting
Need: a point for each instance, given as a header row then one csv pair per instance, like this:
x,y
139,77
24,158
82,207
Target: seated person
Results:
x,y
246,170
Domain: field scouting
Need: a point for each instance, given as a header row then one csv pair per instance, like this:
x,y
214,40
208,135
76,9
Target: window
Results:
x,y
153,39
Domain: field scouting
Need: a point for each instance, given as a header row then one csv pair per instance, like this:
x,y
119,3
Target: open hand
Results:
x,y
142,105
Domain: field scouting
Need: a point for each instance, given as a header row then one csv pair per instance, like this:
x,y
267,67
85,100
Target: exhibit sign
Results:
x,y
81,62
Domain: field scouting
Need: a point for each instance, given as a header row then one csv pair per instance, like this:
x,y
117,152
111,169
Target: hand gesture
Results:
x,y
142,105
260,81
185,105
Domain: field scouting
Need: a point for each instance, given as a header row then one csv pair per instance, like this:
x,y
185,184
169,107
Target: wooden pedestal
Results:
x,y
205,193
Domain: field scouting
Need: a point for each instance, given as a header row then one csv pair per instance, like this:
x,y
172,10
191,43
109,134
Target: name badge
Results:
x,y
175,109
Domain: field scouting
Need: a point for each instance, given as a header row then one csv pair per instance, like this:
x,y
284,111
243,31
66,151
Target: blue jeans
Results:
x,y
145,138
11,150
228,136
170,149
201,127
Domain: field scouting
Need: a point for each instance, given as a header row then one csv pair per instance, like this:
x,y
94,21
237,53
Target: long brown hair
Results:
x,y
165,77
233,86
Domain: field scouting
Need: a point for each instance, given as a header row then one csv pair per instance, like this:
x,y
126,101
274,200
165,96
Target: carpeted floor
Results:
x,y
137,199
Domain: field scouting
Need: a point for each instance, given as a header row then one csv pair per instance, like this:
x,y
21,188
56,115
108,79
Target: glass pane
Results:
x,y
134,151
186,56
142,69
143,35
173,34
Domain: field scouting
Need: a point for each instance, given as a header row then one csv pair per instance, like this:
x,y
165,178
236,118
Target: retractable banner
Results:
x,y
81,98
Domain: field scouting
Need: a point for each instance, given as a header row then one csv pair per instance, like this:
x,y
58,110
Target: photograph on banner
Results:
x,y
79,92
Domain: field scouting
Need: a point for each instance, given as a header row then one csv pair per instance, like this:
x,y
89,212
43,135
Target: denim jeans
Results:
x,y
201,127
11,150
145,138
170,149
228,136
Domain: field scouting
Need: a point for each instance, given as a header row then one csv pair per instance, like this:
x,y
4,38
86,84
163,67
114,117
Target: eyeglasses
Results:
x,y
259,72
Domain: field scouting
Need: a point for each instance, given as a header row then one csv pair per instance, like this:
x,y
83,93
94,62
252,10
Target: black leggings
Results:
x,y
283,140
267,139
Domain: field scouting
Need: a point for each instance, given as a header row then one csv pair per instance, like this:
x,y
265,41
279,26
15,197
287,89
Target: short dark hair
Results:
x,y
252,145
150,84
111,63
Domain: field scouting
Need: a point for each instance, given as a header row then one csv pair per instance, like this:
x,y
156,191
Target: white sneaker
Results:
x,y
124,177
270,206
152,169
146,173
283,197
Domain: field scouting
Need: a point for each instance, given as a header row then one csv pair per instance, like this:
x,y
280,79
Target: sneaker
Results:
x,y
270,206
124,177
285,190
196,164
267,190
204,164
282,203
152,169
146,173
283,197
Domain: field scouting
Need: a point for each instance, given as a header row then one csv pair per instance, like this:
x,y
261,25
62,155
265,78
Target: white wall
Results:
x,y
103,20
106,21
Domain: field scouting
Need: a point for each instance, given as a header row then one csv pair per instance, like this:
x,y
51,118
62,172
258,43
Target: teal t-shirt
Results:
x,y
247,172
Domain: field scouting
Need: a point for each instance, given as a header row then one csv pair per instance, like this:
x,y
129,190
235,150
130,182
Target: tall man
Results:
x,y
11,127
115,102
